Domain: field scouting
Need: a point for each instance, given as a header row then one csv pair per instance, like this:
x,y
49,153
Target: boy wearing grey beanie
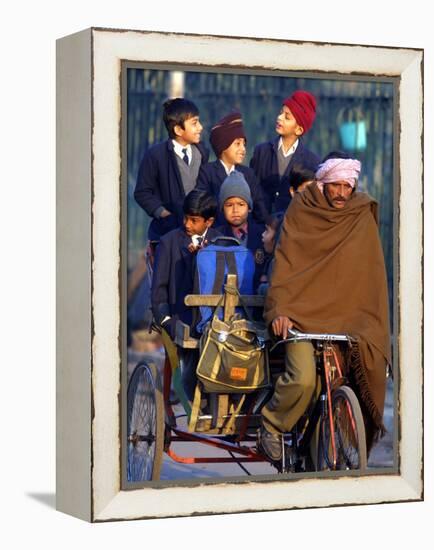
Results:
x,y
235,185
235,201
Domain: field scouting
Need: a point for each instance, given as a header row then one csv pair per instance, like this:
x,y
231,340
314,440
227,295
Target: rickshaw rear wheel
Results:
x,y
145,424
349,433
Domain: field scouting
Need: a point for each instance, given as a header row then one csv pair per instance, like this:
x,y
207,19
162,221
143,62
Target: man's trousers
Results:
x,y
294,389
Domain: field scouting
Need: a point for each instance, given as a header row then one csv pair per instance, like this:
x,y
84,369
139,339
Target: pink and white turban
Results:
x,y
333,170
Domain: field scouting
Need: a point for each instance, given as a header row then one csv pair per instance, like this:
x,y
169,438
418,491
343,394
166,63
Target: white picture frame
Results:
x,y
89,229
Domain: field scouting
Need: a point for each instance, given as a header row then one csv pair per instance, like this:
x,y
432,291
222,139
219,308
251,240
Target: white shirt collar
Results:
x,y
194,238
232,169
178,148
290,151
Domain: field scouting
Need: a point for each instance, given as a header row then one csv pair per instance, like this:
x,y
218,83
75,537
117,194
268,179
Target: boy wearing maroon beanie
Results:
x,y
228,140
274,160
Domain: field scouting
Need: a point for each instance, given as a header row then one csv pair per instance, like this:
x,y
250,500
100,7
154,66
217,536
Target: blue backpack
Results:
x,y
222,256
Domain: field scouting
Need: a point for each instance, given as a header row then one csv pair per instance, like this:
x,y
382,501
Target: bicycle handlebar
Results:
x,y
297,336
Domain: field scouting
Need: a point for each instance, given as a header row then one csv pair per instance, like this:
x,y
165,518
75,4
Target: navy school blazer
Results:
x,y
212,175
159,184
264,163
173,277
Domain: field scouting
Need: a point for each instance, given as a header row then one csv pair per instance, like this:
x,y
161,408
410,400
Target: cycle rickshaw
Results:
x,y
329,436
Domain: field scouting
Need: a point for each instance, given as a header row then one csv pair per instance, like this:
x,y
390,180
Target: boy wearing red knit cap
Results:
x,y
273,161
228,140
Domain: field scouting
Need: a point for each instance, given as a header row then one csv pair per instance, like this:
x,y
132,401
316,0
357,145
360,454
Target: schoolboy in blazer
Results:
x,y
169,170
174,266
274,160
228,140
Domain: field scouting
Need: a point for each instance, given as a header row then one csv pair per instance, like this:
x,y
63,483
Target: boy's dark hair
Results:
x,y
299,175
176,112
200,203
337,155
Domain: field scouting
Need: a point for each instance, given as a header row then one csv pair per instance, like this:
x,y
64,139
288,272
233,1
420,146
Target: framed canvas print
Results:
x,y
175,398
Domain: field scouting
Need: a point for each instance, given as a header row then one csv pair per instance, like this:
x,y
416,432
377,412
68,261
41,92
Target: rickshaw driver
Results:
x,y
328,276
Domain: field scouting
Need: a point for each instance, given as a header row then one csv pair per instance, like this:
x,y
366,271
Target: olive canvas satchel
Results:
x,y
233,357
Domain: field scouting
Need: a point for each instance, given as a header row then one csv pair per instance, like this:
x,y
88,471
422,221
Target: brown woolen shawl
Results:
x,y
329,276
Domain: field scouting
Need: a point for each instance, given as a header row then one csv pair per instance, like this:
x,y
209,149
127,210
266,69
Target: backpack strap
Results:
x,y
223,259
219,272
229,259
232,264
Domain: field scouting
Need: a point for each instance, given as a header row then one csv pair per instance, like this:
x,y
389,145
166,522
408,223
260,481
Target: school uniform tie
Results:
x,y
199,241
185,157
242,235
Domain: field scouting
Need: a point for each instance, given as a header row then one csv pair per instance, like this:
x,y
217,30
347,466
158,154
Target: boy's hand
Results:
x,y
281,325
194,248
